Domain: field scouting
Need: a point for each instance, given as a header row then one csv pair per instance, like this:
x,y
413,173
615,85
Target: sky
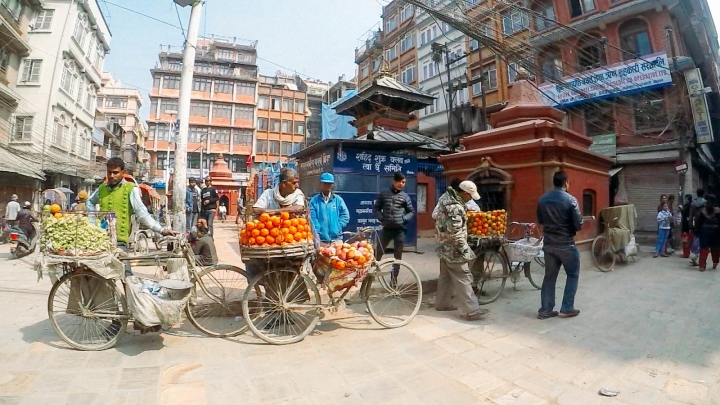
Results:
x,y
316,38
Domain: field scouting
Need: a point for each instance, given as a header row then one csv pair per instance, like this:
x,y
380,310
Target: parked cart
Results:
x,y
617,240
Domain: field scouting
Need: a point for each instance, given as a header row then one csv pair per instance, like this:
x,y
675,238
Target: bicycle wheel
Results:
x,y
602,253
535,273
392,292
87,311
492,270
142,243
287,310
215,307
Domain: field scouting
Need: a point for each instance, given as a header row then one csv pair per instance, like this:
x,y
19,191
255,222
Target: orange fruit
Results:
x,y
360,259
286,223
294,222
340,265
301,228
260,225
284,215
293,230
251,241
265,245
264,232
260,240
244,240
304,235
284,231
298,237
279,238
249,226
270,240
289,238
302,221
264,217
55,208
275,221
275,232
255,233
269,225
58,215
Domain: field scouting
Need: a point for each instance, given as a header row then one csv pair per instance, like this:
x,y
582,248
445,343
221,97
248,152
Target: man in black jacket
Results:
x,y
209,204
560,216
394,210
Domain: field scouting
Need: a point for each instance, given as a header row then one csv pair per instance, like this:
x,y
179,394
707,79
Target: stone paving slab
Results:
x,y
648,330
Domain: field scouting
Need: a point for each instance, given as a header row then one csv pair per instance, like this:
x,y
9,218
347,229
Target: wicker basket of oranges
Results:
x,y
278,233
487,224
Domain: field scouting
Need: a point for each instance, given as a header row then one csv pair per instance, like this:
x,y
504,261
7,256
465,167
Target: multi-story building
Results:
x,y
340,89
122,106
438,42
317,92
18,176
281,119
222,112
57,84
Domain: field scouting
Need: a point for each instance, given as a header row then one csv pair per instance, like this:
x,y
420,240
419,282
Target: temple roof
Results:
x,y
388,92
395,136
221,175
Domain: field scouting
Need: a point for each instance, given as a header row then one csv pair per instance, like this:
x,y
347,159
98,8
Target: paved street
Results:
x,y
648,330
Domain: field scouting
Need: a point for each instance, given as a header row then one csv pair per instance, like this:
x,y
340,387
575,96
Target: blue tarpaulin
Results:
x,y
335,126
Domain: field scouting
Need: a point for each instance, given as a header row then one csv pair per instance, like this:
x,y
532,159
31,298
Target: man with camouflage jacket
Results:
x,y
454,252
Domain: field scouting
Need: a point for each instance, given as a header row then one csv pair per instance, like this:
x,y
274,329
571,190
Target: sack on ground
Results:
x,y
151,304
631,249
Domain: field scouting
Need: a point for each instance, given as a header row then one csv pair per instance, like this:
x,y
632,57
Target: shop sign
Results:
x,y
315,164
652,71
604,144
698,101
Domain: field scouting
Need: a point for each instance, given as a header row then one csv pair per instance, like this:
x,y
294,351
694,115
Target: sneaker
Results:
x,y
569,314
546,315
476,315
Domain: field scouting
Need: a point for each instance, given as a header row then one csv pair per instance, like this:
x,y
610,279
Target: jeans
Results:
x,y
191,218
455,280
397,235
569,258
662,239
209,216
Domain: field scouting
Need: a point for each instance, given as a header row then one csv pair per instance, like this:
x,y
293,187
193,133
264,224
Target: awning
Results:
x,y
615,170
13,164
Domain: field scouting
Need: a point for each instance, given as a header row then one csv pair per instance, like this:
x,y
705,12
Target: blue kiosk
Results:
x,y
362,169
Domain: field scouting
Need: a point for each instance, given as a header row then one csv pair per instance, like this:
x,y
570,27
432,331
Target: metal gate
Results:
x,y
435,171
644,184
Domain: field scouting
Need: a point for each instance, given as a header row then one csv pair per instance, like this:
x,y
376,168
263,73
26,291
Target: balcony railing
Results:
x,y
372,41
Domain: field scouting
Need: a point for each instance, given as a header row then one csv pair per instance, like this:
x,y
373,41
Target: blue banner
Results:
x,y
372,162
360,206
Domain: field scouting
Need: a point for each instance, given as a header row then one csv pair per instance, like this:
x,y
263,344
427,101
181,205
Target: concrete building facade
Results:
x,y
59,80
222,113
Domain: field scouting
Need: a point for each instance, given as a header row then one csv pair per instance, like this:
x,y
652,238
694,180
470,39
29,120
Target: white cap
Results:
x,y
470,187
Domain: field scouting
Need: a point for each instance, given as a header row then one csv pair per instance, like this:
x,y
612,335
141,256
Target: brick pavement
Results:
x,y
648,330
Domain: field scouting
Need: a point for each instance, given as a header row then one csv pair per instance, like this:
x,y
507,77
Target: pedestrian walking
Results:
x,y
192,203
707,228
559,214
328,213
685,226
394,210
209,204
664,218
670,244
11,210
223,212
454,252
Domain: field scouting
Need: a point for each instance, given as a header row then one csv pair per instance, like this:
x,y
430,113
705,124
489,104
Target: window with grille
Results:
x,y
222,110
23,128
275,103
200,109
242,137
588,202
243,112
171,82
544,18
263,102
262,124
635,40
261,146
491,79
201,84
223,86
299,127
591,53
407,12
286,148
408,74
580,7
246,89
116,102
197,134
287,105
221,136
168,104
274,147
286,126
31,71
649,110
300,106
275,125
81,28
407,43
514,21
391,23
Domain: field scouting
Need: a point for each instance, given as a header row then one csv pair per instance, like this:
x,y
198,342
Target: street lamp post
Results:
x,y
171,134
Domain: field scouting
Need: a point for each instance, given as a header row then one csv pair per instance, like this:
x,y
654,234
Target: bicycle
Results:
x,y
90,312
282,305
521,250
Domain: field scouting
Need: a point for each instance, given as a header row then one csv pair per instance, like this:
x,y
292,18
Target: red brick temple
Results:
x,y
513,163
227,188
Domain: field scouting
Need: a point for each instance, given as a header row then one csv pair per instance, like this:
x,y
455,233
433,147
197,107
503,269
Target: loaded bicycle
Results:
x,y
282,303
88,305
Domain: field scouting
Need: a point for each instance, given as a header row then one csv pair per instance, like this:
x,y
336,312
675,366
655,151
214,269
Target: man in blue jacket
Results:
x,y
328,212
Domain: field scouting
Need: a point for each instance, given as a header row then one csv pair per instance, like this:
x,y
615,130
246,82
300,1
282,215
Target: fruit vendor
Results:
x,y
123,198
286,194
471,205
328,212
454,251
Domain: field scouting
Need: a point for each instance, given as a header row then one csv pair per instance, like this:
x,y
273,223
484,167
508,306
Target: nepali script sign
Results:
x,y
358,161
316,164
652,71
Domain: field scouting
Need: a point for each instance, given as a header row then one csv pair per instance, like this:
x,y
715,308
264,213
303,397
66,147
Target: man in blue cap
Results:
x,y
328,212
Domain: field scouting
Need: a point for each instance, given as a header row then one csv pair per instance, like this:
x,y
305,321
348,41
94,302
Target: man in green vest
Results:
x,y
123,198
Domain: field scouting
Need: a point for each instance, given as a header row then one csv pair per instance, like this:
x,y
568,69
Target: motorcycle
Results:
x,y
23,247
4,232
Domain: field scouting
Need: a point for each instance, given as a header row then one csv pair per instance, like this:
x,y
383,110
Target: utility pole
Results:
x,y
686,186
180,173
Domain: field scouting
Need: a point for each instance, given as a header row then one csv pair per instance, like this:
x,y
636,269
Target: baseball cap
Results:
x,y
327,178
470,187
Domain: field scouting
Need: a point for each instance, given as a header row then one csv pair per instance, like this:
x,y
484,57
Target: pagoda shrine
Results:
x,y
227,188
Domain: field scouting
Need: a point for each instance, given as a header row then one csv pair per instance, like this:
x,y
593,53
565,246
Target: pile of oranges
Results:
x,y
487,223
347,255
275,230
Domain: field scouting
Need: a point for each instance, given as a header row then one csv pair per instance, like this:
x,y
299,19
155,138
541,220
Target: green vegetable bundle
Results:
x,y
74,234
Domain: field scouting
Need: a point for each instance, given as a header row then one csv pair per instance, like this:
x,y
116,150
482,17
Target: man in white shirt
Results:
x,y
286,194
11,210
